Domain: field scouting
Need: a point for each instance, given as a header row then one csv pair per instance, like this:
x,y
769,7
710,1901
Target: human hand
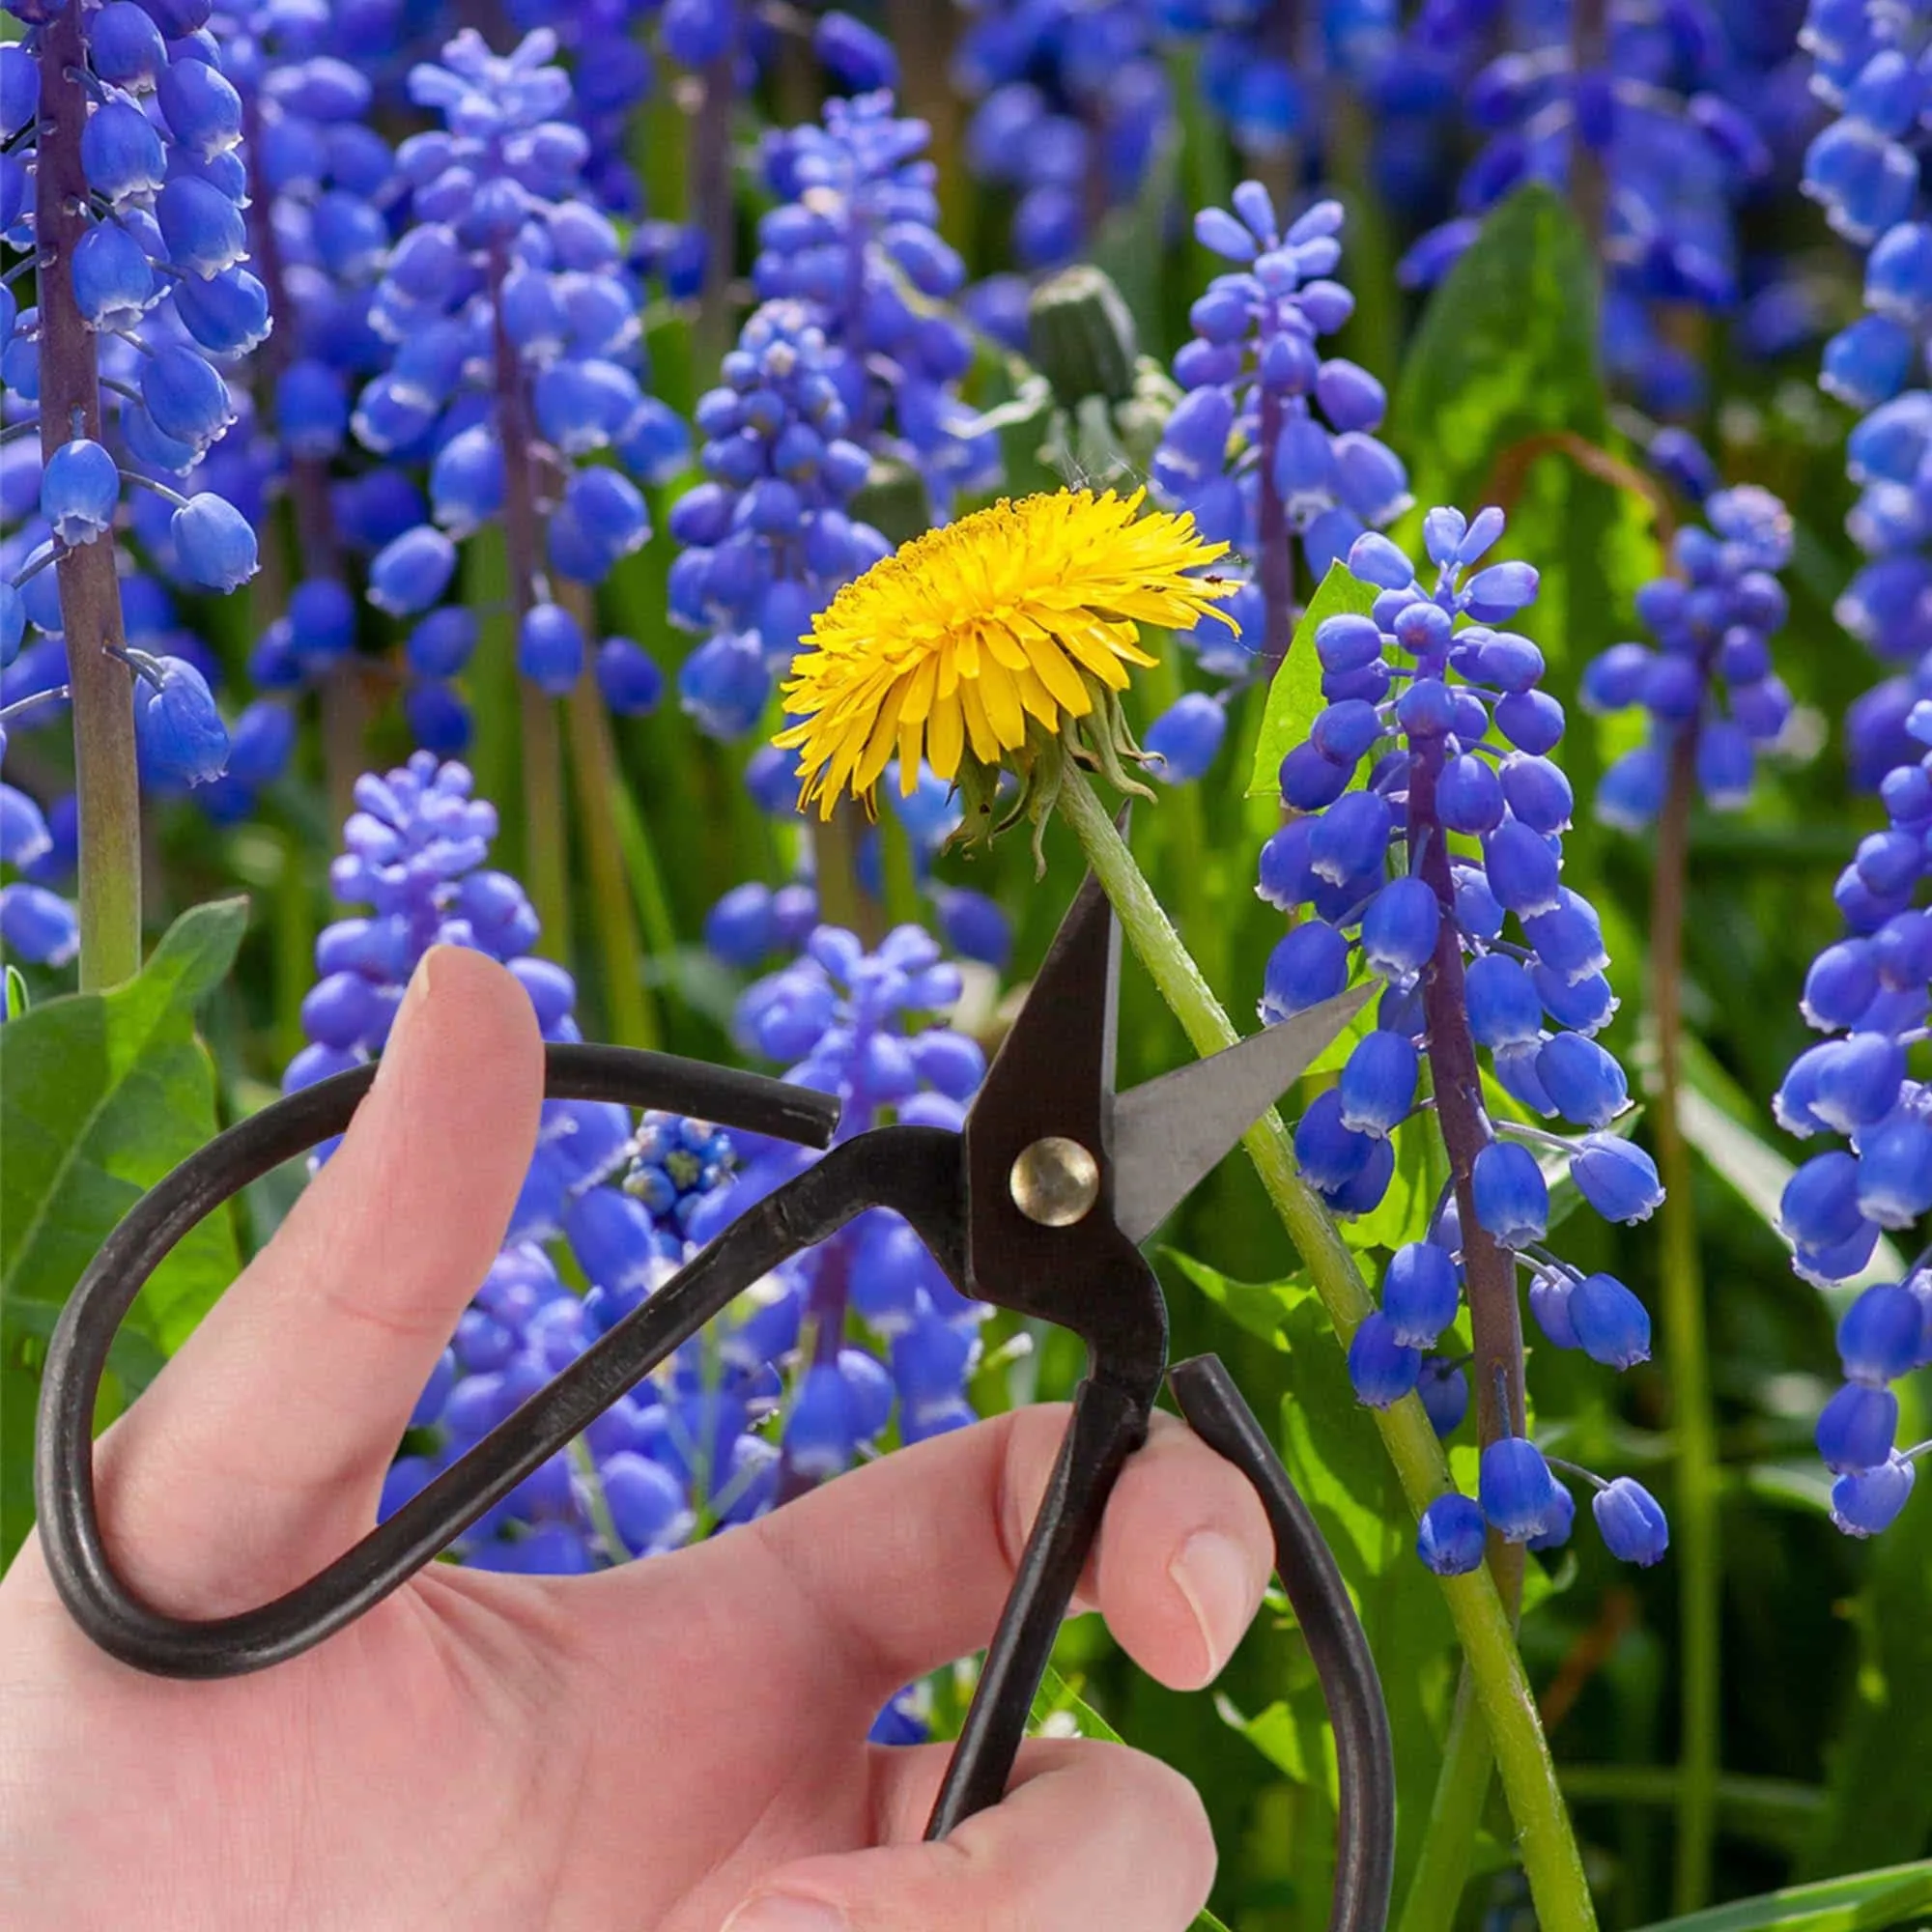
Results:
x,y
672,1744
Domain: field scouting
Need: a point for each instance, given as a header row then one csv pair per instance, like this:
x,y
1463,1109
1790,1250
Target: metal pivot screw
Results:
x,y
1055,1182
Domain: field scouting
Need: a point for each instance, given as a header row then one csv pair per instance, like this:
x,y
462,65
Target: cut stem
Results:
x,y
106,777
1687,1349
1547,1843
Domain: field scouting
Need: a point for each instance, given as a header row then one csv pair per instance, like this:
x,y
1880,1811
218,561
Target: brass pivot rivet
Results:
x,y
1055,1182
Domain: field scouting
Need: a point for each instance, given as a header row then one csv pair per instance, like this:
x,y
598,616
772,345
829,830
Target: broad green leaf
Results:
x,y
1861,1903
101,1096
1506,351
1294,697
1332,1450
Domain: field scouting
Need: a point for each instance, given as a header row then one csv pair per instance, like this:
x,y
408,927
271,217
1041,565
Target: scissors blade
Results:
x,y
1170,1132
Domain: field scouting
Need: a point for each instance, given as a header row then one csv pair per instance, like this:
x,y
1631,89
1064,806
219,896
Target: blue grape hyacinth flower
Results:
x,y
1708,687
1427,849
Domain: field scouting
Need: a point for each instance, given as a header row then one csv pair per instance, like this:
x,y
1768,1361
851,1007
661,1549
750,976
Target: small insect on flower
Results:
x,y
1001,641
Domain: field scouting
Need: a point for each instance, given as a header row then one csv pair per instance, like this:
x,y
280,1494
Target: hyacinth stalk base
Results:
x,y
106,778
1546,1839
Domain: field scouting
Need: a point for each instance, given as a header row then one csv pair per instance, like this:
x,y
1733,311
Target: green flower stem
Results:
x,y
629,1011
1547,1843
903,906
646,875
1694,1524
105,777
1455,1813
1184,823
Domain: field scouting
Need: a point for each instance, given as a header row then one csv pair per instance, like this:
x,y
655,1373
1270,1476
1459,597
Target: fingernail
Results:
x,y
1213,1572
784,1911
416,995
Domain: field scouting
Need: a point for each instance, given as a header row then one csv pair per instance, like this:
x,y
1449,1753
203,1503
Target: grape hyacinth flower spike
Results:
x,y
1272,442
1708,687
1427,851
136,233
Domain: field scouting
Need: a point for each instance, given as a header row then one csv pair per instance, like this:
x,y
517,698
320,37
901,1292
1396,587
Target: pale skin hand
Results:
x,y
675,1744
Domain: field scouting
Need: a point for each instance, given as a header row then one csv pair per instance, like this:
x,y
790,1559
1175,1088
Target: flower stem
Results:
x,y
1488,1270
1694,1517
713,209
106,778
629,1011
1546,1840
546,855
1462,1788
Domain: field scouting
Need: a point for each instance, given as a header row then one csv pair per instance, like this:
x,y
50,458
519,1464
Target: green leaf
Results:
x,y
101,1096
1294,697
1332,1450
17,1002
1506,350
1863,1902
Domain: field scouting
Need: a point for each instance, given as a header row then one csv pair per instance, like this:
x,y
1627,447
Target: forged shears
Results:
x,y
1039,1205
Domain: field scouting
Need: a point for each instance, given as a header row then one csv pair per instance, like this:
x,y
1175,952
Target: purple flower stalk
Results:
x,y
1431,819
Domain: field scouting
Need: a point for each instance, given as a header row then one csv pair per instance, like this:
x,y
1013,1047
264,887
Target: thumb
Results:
x,y
1089,1834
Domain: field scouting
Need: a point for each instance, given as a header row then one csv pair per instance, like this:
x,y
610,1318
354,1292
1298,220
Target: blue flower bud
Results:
x,y
1400,928
1308,965
1537,792
178,731
647,1502
1445,1394
1346,642
1350,838
1511,1199
1524,872
227,314
1329,1156
261,743
1631,1524
201,106
1502,1003
1819,1207
121,153
1451,1535
550,648
975,926
113,284
185,398
1866,1501
724,683
628,676
1618,1180
1855,1081
37,924
1857,1427
124,47
1879,1337
1419,1291
202,228
1556,1532
213,545
1896,1171
1520,1497
1569,939
412,571
442,644
1585,1084
1380,1368
1840,985
1496,594
1185,737
1532,720
1309,781
1469,795
1611,1325
81,488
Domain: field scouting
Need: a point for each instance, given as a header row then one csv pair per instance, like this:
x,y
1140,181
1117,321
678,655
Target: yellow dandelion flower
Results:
x,y
1000,641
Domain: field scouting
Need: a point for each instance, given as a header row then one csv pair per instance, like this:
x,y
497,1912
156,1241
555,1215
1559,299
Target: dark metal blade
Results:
x,y
1170,1132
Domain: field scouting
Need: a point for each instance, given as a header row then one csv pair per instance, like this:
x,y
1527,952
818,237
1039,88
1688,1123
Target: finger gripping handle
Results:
x,y
1365,1761
70,1527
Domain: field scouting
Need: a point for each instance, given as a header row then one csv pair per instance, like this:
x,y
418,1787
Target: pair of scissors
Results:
x,y
1039,1205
